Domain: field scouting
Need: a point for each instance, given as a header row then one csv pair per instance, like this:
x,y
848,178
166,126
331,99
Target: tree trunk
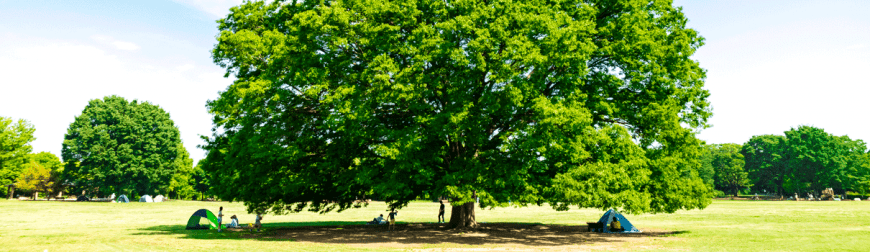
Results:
x,y
462,216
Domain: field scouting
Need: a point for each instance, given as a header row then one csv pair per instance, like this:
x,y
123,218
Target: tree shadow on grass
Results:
x,y
529,234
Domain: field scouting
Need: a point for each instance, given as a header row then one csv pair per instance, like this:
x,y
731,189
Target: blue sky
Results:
x,y
772,65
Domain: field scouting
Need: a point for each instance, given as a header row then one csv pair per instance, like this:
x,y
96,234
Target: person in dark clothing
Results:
x,y
441,213
393,214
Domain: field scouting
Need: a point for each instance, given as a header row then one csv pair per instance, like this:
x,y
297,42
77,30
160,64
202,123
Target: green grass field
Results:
x,y
723,226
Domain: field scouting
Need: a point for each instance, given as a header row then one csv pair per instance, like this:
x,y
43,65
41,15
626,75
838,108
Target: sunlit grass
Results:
x,y
723,226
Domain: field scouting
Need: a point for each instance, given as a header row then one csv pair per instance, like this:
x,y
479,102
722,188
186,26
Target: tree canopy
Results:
x,y
766,164
805,159
819,160
35,176
728,165
15,139
573,103
119,146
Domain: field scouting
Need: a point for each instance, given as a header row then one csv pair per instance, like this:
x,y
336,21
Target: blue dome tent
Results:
x,y
608,217
123,199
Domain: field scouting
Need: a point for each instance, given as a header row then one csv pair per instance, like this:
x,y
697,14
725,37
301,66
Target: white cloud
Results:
x,y
127,46
121,45
184,67
217,8
856,46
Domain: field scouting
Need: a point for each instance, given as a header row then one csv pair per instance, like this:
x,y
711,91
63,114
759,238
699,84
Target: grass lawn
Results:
x,y
724,226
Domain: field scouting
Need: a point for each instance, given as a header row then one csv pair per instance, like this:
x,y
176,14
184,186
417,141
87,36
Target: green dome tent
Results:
x,y
197,218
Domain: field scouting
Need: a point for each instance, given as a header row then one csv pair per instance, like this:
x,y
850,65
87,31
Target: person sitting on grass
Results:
x,y
257,223
615,226
377,221
234,222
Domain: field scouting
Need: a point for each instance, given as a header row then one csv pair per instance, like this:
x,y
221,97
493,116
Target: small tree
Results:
x,y
15,139
728,163
200,180
35,177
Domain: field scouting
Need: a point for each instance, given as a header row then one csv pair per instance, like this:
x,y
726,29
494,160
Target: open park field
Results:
x,y
723,226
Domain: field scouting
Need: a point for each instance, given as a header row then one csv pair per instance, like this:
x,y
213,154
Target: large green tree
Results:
x,y
766,162
116,146
728,165
583,103
15,139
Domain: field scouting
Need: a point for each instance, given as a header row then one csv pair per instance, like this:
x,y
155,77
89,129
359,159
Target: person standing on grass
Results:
x,y
220,216
393,214
441,212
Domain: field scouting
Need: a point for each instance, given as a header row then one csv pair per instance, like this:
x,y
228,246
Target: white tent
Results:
x,y
146,198
159,198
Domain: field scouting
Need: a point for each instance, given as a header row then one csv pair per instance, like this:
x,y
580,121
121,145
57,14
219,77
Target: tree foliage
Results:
x,y
35,177
200,181
15,139
820,160
181,185
766,162
706,171
55,167
728,165
583,103
807,159
118,146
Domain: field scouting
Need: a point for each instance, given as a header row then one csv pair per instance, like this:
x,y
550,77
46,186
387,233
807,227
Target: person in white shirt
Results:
x,y
220,218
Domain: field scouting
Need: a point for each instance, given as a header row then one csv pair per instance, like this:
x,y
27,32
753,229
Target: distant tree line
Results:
x,y
114,146
804,160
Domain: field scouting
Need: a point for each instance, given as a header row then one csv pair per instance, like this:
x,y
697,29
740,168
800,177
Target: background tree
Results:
x,y
15,139
860,175
766,162
200,181
55,166
846,164
181,185
526,102
123,147
706,171
817,159
35,177
729,166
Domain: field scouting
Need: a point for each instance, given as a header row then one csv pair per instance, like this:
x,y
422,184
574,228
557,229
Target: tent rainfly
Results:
x,y
123,199
159,198
608,217
202,214
146,198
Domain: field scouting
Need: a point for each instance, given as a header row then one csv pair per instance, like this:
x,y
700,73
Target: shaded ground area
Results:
x,y
499,234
